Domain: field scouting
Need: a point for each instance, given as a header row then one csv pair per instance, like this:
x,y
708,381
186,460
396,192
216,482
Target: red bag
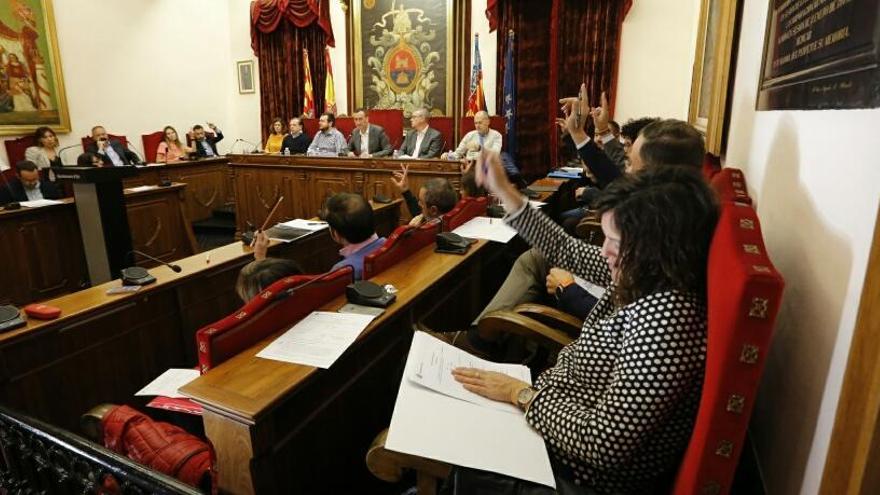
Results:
x,y
160,446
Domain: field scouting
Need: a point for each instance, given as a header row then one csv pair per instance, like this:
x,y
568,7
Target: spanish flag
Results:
x,y
329,92
309,98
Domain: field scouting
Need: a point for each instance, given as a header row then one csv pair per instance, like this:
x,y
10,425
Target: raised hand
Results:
x,y
600,115
399,179
575,125
491,175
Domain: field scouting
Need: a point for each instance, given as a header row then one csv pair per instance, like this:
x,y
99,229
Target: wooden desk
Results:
x,y
105,348
208,183
284,428
305,182
42,250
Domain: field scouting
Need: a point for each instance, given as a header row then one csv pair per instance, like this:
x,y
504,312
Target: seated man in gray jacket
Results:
x,y
367,139
422,141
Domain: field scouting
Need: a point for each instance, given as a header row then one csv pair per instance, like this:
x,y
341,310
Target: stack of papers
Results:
x,y
40,202
436,418
561,174
318,339
491,229
299,223
169,382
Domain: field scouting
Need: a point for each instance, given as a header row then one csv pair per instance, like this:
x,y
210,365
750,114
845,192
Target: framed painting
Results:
x,y
712,70
31,84
246,76
405,54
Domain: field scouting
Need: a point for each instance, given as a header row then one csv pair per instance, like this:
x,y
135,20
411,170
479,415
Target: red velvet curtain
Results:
x,y
583,46
280,30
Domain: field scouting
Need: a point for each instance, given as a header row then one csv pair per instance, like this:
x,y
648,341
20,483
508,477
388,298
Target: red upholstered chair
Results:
x,y
392,121
279,306
464,211
9,174
446,126
345,126
87,141
310,126
151,143
744,293
15,148
404,241
496,122
730,184
711,165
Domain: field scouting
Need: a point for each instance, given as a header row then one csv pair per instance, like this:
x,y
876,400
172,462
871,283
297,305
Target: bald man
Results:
x,y
481,137
421,141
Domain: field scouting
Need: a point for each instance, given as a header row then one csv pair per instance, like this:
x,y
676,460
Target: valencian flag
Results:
x,y
477,98
329,92
309,98
508,108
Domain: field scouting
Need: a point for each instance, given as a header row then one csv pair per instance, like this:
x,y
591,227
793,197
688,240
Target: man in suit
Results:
x,y
112,152
203,145
296,142
365,132
27,185
422,141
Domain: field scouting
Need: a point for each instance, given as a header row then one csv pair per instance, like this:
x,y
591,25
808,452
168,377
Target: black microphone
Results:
x,y
13,205
174,268
239,140
129,146
62,150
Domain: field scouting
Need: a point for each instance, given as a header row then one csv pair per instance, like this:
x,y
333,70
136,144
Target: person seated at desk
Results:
x,y
350,218
365,132
474,141
296,142
422,141
205,146
171,149
276,136
45,153
469,187
436,198
263,271
614,417
328,141
89,159
27,186
111,151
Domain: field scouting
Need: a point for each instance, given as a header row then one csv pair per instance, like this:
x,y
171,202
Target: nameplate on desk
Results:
x,y
62,175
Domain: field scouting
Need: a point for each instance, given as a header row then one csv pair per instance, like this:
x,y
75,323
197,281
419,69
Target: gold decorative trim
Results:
x,y
747,224
749,354
761,268
758,308
724,449
710,488
736,403
751,248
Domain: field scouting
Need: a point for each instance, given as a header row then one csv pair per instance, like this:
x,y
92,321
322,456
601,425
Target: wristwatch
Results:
x,y
524,397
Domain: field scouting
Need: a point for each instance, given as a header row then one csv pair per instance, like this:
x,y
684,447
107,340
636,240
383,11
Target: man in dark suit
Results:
x,y
205,146
27,185
376,139
112,152
422,141
296,142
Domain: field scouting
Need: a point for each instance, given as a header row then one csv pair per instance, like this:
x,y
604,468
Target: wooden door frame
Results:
x,y
852,465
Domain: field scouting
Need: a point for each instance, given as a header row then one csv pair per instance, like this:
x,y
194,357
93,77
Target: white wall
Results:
x,y
138,65
656,59
488,52
814,175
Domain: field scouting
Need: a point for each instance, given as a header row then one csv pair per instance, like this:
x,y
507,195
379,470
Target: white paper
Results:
x,y
536,204
436,360
312,225
491,229
435,426
318,339
594,290
572,170
40,202
142,188
167,383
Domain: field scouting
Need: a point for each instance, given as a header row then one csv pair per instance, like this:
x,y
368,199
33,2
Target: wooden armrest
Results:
x,y
388,466
551,317
511,322
590,229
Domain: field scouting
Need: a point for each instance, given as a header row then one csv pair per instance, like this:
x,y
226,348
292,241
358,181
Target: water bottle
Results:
x,y
286,151
451,156
396,154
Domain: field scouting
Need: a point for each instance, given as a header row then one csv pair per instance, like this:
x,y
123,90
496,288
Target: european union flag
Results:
x,y
508,109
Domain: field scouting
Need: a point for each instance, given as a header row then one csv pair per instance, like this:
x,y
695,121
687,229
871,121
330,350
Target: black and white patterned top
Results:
x,y
619,405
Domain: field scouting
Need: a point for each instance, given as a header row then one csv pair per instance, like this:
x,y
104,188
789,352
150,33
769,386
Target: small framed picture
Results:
x,y
246,76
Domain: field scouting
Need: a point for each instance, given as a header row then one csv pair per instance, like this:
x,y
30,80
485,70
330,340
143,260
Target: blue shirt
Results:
x,y
356,259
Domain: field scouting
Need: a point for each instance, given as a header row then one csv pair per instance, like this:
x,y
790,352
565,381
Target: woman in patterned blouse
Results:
x,y
617,409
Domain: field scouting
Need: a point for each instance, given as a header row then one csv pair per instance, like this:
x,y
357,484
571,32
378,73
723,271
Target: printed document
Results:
x,y
167,383
318,339
491,229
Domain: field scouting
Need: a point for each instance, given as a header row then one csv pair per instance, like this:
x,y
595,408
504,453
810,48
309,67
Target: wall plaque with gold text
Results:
x,y
821,54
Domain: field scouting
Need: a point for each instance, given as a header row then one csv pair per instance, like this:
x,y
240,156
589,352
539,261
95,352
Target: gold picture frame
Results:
x,y
30,70
711,76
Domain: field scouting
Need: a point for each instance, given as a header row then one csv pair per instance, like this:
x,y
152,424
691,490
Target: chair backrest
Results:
x,y
496,122
404,241
88,141
345,126
730,185
279,306
15,149
464,211
151,143
744,294
310,126
392,121
9,174
446,126
711,165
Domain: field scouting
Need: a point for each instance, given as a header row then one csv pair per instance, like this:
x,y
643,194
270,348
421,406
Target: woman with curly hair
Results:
x,y
617,409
